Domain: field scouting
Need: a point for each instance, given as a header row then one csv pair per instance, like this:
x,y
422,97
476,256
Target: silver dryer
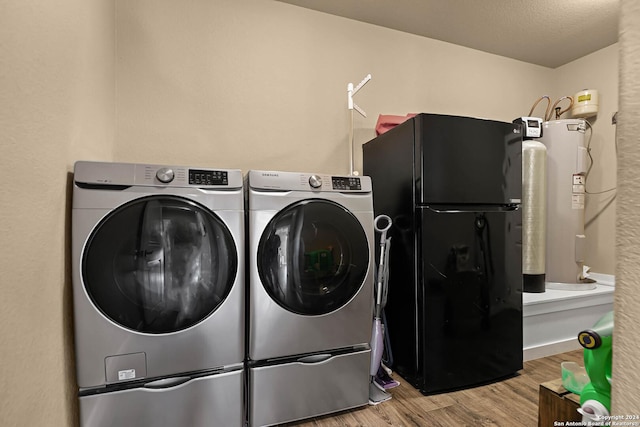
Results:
x,y
310,294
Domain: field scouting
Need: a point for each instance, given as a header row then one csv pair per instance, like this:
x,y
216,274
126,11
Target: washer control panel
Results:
x,y
130,174
208,177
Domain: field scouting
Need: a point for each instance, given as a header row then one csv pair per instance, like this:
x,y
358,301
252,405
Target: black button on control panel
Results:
x,y
345,183
208,177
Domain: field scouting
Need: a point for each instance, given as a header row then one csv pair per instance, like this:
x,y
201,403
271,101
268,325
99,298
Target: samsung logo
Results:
x,y
269,174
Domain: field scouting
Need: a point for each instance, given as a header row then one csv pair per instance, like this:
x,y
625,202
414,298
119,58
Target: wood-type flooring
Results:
x,y
510,402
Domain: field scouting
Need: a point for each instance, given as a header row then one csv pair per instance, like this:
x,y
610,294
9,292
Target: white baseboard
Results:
x,y
553,319
550,349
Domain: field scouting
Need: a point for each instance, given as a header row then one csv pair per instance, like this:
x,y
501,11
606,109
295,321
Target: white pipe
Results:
x,y
351,165
352,106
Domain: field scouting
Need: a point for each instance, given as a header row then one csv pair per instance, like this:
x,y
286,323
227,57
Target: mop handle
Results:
x,y
377,222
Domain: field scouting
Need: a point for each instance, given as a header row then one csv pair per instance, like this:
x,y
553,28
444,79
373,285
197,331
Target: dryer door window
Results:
x,y
313,257
159,264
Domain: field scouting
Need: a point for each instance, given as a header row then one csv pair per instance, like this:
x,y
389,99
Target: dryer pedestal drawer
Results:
x,y
293,391
214,400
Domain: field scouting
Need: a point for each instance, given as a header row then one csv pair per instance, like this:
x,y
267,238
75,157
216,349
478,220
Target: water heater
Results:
x,y
567,164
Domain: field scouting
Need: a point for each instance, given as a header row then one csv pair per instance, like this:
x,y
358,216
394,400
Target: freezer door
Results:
x,y
467,160
215,400
470,310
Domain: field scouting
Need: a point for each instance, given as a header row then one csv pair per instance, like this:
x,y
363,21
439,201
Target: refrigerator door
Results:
x,y
470,318
464,160
215,400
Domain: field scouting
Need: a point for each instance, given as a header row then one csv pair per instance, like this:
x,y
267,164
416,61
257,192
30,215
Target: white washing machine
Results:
x,y
158,294
310,302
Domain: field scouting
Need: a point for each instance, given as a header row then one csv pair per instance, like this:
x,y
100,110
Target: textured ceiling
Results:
x,y
550,33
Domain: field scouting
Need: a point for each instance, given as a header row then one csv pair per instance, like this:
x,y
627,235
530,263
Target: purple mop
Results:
x,y
377,394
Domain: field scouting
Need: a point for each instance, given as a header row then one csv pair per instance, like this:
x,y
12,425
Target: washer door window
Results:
x,y
159,264
313,257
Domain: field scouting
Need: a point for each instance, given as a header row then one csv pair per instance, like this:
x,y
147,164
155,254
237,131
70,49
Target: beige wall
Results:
x,y
253,84
626,376
263,85
598,70
57,105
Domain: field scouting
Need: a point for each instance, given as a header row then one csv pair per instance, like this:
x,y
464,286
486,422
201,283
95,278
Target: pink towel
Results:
x,y
389,121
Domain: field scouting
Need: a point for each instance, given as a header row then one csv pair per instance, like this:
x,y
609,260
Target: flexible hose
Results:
x,y
550,109
537,102
558,111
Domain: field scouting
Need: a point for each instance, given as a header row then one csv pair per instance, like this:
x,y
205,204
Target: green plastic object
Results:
x,y
597,360
319,262
574,377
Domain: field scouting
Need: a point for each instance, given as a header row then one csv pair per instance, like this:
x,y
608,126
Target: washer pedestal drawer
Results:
x,y
214,400
295,390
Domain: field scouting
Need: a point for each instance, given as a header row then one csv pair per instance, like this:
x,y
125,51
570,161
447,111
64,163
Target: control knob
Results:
x,y
165,175
315,181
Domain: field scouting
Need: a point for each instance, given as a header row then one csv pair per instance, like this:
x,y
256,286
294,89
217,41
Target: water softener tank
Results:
x,y
534,215
567,164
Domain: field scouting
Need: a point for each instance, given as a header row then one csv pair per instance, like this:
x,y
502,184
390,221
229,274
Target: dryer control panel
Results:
x,y
346,183
292,181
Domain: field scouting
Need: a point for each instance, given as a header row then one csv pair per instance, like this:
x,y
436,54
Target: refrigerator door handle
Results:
x,y
472,208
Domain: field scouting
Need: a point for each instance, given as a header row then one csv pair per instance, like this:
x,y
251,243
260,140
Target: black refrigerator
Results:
x,y
452,187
